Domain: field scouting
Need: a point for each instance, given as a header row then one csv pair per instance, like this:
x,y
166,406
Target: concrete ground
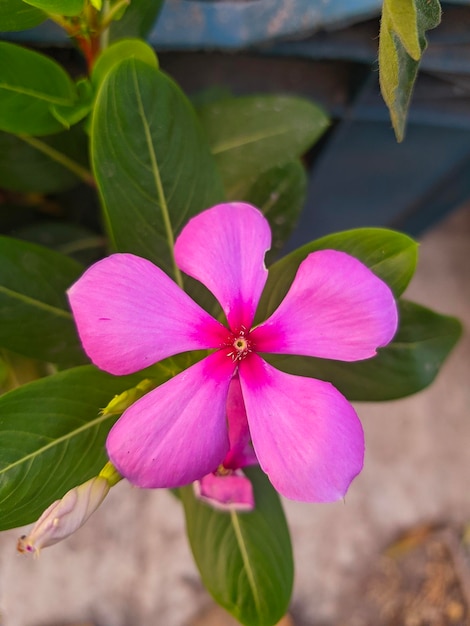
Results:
x,y
130,565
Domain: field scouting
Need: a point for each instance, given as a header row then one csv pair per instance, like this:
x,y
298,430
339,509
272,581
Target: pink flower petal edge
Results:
x,y
177,433
336,308
224,248
306,435
130,314
231,492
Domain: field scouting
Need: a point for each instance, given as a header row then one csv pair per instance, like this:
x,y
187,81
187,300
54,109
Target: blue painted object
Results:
x,y
185,24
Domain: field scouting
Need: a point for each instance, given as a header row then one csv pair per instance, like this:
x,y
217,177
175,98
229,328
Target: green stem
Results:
x,y
104,34
81,172
109,14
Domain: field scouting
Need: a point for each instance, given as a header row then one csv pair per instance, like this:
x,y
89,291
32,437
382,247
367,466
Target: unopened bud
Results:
x,y
124,400
63,517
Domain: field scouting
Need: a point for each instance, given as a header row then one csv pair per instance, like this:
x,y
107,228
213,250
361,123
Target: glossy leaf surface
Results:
x,y
34,316
153,167
251,135
390,255
245,559
407,365
16,15
52,438
31,84
119,51
59,7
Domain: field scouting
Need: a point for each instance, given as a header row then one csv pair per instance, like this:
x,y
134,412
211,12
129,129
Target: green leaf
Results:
x,y
30,86
251,135
34,317
138,20
152,165
402,43
16,15
117,52
390,255
45,165
59,7
279,193
52,438
245,559
70,115
407,365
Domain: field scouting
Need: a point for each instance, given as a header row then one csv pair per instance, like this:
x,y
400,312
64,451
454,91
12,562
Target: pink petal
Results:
x,y
130,314
306,435
336,308
231,492
241,452
177,433
224,248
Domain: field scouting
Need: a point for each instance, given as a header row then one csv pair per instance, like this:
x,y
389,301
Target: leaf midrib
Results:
x,y
246,559
35,303
38,95
74,433
246,140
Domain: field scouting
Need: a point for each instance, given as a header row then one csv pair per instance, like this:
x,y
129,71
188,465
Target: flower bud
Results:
x,y
63,517
123,401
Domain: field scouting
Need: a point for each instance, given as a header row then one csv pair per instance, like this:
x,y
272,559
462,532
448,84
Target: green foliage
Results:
x,y
402,43
31,86
52,439
151,161
280,193
137,20
157,163
245,559
114,54
251,135
34,317
47,164
16,15
59,7
390,255
407,365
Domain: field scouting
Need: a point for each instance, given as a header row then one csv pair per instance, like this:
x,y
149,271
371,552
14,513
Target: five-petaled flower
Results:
x,y
305,434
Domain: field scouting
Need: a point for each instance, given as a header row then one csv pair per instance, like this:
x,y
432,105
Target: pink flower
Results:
x,y
227,487
306,435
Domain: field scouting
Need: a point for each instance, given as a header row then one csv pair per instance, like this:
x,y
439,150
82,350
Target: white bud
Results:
x,y
63,517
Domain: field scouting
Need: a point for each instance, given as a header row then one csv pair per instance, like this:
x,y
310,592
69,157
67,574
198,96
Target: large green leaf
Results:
x,y
390,255
251,135
407,365
117,52
31,85
16,15
34,317
137,21
59,7
153,167
280,193
245,559
52,438
46,164
402,42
